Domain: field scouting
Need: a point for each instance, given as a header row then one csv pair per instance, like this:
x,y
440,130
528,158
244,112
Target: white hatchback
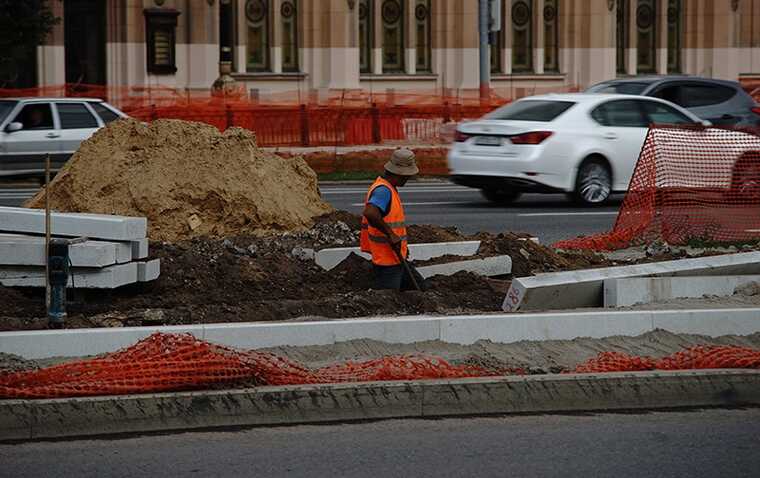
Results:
x,y
33,128
585,145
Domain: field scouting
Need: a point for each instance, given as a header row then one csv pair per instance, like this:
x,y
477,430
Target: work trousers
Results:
x,y
395,277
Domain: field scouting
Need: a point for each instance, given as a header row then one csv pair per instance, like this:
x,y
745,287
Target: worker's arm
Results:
x,y
375,218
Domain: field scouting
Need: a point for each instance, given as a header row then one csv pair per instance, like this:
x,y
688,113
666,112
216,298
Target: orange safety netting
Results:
x,y
167,362
303,117
690,186
699,357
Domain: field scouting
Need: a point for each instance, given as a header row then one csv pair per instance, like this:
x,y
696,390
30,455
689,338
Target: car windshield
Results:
x,y
622,88
5,108
531,110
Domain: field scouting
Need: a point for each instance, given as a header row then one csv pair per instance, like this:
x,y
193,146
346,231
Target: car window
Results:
x,y
105,114
35,116
75,115
694,95
5,108
623,88
663,114
624,113
531,110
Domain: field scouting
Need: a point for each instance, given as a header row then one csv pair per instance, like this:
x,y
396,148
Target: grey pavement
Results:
x,y
698,443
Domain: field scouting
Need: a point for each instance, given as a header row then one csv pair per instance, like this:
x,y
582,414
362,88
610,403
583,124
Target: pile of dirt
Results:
x,y
189,180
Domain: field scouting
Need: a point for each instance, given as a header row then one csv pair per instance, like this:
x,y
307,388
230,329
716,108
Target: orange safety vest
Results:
x,y
373,240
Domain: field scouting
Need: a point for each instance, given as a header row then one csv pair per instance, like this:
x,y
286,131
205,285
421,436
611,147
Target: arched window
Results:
x,y
423,33
646,29
289,21
622,35
392,12
257,19
674,36
522,36
366,43
551,35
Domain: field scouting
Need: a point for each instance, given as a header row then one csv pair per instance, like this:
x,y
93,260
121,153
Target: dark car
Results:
x,y
721,102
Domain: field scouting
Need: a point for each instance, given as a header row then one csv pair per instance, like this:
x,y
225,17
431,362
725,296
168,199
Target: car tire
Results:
x,y
500,196
593,184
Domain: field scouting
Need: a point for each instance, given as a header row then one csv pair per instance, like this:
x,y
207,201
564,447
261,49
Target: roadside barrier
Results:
x,y
179,362
303,118
691,185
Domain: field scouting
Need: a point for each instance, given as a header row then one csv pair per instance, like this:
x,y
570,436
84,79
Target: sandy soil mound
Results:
x,y
189,180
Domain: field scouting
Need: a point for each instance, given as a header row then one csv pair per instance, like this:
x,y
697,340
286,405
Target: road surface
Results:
x,y
548,217
700,443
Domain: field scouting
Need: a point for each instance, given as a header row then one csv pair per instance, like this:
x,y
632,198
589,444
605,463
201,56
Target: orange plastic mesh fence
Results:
x,y
699,357
303,118
689,185
167,362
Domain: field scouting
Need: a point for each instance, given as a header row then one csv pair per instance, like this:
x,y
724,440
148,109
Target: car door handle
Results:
x,y
610,136
52,135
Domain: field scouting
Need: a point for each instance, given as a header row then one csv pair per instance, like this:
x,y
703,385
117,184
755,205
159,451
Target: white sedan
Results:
x,y
585,145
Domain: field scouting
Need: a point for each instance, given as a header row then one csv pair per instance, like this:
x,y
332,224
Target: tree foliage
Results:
x,y
24,24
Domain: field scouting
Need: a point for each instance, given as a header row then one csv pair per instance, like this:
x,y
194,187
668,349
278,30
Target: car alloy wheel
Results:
x,y
594,183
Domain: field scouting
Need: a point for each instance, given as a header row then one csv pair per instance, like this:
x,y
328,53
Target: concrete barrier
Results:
x,y
462,329
584,288
95,226
109,277
488,267
77,417
329,258
148,270
21,250
645,290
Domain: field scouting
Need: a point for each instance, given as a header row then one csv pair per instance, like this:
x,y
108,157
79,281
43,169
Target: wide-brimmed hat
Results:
x,y
402,163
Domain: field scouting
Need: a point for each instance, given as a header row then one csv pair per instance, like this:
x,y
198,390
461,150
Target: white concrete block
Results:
x,y
23,250
489,267
139,248
461,329
94,226
109,277
148,270
584,288
645,290
329,258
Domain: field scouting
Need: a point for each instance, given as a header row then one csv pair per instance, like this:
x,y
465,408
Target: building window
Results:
x,y
645,36
622,35
366,16
522,36
393,35
551,35
496,43
289,19
422,27
674,36
160,28
257,18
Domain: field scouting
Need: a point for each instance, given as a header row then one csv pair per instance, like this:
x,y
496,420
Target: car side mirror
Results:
x,y
15,126
706,123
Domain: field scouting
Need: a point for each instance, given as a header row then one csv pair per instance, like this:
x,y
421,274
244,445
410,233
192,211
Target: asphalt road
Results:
x,y
548,217
702,443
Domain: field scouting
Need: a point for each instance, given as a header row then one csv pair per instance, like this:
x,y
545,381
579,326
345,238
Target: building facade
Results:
x,y
288,45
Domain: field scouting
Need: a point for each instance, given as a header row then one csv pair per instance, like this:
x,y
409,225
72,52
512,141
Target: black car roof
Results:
x,y
650,80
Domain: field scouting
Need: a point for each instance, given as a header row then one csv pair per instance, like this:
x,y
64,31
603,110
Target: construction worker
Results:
x,y
383,231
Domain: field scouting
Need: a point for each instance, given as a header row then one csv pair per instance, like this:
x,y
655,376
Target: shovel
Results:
x,y
407,269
